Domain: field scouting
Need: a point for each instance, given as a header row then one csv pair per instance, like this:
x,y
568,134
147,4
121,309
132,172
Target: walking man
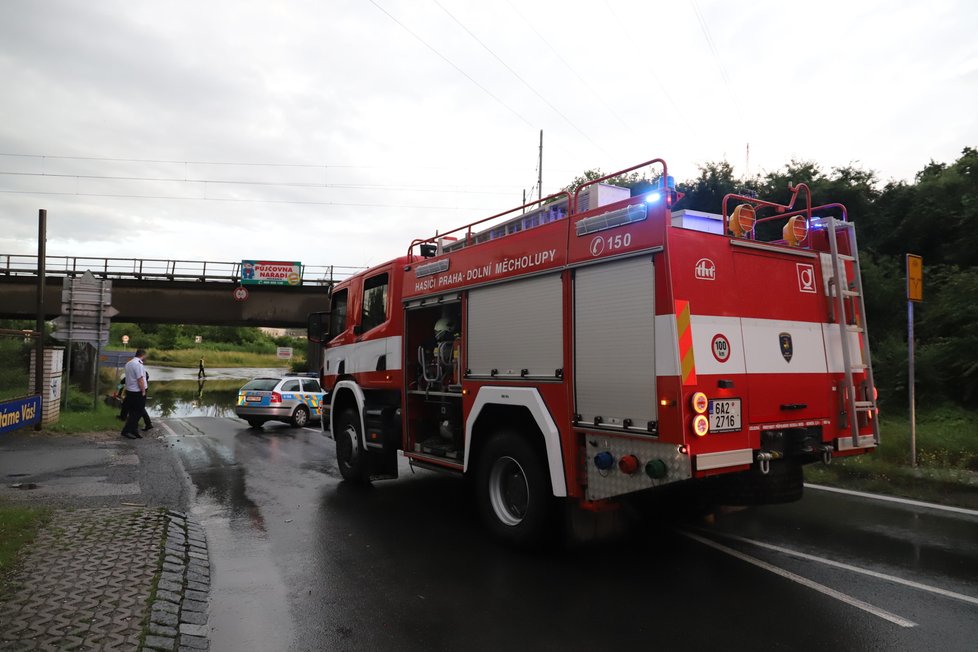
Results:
x,y
135,395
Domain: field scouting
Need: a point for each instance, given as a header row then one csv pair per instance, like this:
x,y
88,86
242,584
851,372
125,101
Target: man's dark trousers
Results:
x,y
137,404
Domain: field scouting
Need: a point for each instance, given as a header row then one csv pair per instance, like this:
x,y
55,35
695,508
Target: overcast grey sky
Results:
x,y
335,131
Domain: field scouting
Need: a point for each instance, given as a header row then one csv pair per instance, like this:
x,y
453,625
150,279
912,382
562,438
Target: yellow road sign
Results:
x,y
915,278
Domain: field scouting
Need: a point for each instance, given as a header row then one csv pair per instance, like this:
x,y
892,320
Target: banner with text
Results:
x,y
19,413
267,272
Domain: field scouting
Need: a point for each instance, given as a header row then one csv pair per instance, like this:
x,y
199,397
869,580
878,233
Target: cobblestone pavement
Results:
x,y
86,583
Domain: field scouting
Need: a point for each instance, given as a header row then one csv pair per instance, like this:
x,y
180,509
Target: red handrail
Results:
x,y
468,227
665,178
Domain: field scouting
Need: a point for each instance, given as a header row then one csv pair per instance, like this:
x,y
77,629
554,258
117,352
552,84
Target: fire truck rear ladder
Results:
x,y
838,297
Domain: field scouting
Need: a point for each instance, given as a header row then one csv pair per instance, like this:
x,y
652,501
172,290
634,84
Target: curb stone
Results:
x,y
178,622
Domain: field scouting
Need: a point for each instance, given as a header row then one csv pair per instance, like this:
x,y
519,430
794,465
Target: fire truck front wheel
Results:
x,y
350,456
514,490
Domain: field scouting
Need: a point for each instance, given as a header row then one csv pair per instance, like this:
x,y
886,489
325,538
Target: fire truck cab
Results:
x,y
596,344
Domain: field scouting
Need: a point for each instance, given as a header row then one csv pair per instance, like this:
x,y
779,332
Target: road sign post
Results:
x,y
915,294
86,301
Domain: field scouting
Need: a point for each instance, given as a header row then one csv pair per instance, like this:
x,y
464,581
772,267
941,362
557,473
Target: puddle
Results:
x,y
177,392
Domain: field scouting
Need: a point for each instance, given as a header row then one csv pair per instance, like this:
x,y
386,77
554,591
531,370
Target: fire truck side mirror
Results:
x,y
317,327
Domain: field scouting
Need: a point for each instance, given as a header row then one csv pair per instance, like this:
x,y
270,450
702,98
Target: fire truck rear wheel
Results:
x,y
350,456
513,488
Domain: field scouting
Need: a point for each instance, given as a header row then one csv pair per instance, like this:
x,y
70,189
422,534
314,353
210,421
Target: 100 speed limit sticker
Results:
x,y
720,347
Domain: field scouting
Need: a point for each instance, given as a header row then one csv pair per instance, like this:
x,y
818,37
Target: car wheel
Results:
x,y
256,423
300,417
514,493
350,456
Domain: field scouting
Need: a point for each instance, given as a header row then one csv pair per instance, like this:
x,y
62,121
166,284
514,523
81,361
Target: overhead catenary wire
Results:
x,y
716,57
585,82
240,200
341,186
321,166
520,78
453,65
650,69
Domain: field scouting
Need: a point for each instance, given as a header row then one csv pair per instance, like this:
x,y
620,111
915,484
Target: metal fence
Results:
x,y
158,269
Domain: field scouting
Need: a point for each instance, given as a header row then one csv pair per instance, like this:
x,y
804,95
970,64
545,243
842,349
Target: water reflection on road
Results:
x,y
178,392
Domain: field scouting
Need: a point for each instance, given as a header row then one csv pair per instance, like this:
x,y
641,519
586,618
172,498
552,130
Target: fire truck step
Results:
x,y
440,448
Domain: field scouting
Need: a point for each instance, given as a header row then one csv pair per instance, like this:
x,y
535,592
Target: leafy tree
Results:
x,y
948,335
168,336
706,192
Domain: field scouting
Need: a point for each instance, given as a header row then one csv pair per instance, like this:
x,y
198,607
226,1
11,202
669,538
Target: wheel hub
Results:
x,y
509,492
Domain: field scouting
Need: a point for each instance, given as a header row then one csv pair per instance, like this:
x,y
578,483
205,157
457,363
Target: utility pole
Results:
x,y
540,169
42,235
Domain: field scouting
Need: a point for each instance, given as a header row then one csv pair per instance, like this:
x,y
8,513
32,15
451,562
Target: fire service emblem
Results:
x,y
786,348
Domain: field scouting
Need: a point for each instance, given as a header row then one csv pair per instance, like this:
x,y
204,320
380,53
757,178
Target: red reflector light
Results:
x,y
276,397
628,464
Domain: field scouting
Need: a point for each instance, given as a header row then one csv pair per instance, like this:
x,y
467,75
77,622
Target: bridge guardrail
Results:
x,y
154,269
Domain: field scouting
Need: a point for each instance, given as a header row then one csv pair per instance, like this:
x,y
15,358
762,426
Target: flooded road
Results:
x,y
178,392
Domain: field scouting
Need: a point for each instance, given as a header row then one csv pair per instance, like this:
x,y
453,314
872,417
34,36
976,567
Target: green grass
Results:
x,y
947,460
18,527
14,370
13,379
80,417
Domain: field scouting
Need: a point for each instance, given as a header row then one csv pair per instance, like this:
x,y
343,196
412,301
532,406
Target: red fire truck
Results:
x,y
596,344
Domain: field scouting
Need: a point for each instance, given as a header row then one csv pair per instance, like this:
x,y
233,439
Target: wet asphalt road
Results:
x,y
303,561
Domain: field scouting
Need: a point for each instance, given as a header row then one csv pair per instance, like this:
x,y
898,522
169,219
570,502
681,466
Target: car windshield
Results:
x,y
261,384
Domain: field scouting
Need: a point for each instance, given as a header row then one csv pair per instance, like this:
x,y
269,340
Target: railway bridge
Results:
x,y
169,291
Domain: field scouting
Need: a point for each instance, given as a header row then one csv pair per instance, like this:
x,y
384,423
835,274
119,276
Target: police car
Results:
x,y
293,399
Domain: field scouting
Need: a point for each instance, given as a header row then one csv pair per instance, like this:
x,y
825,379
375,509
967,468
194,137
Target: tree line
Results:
x,y
180,336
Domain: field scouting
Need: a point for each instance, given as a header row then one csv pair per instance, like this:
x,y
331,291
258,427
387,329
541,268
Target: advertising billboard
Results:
x,y
269,272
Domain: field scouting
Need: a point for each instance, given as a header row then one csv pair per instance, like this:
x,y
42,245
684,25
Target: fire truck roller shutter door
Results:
x,y
514,326
614,342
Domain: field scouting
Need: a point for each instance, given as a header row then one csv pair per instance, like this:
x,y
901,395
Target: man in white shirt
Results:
x,y
135,395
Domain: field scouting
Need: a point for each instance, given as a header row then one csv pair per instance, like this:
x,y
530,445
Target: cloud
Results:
x,y
332,133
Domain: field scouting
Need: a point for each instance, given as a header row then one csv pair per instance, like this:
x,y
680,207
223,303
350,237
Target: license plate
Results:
x,y
725,415
253,399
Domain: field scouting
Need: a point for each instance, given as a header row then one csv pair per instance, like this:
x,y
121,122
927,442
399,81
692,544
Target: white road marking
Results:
x,y
821,588
168,429
894,499
854,569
